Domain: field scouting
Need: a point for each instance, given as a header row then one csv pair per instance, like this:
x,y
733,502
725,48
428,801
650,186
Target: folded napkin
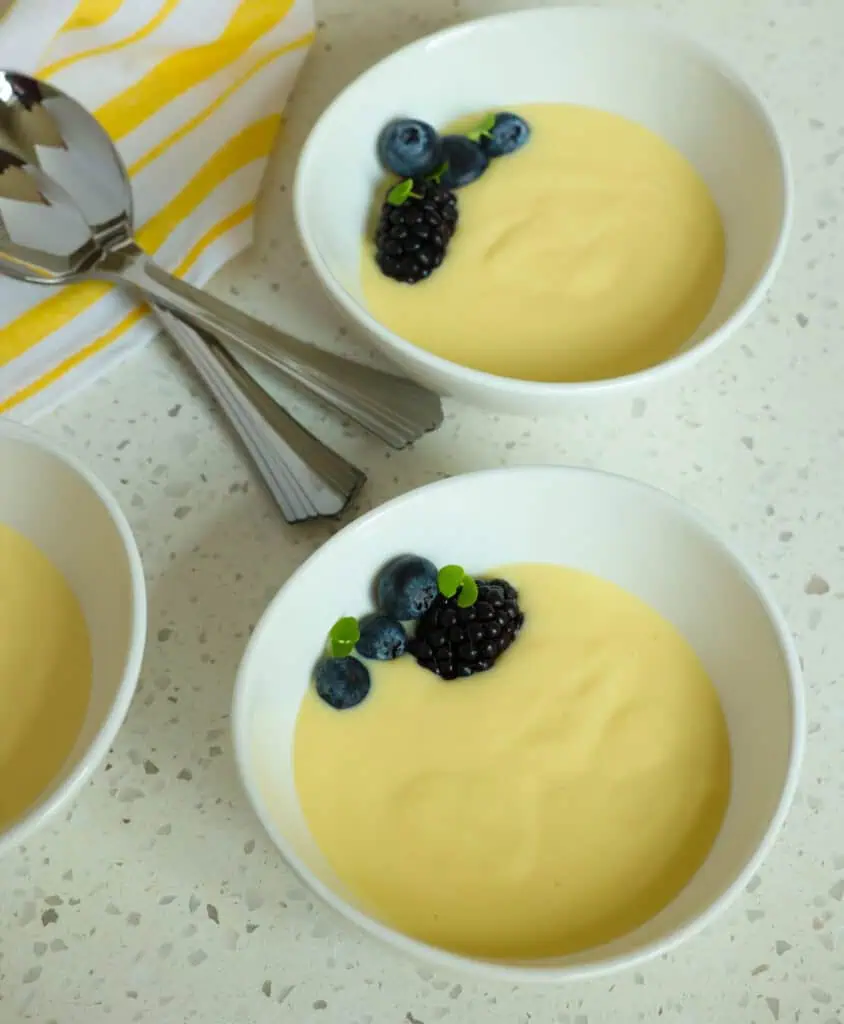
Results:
x,y
192,93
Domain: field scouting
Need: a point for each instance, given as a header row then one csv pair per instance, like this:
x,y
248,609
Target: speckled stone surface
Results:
x,y
159,899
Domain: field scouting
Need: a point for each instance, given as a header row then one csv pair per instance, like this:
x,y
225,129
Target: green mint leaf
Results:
x,y
400,193
483,129
436,175
343,636
468,593
449,579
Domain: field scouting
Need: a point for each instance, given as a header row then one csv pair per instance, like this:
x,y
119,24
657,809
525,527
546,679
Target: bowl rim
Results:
x,y
537,973
45,809
543,390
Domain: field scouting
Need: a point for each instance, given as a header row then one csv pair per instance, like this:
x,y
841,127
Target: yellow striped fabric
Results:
x,y
192,92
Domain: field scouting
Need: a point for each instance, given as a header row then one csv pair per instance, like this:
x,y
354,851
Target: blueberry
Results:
x,y
409,148
381,638
509,133
406,587
465,159
342,682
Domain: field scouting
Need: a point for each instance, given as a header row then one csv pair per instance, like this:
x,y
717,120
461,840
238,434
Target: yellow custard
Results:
x,y
45,673
549,805
594,251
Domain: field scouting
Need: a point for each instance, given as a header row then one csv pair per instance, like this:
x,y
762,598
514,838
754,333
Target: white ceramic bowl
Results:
x,y
639,538
63,509
612,59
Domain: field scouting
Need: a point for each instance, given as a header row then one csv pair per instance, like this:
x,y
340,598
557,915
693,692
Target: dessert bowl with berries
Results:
x,y
509,722
514,212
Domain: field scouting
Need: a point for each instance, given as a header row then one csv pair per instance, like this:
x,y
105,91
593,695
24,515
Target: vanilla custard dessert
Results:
x,y
45,673
524,766
584,246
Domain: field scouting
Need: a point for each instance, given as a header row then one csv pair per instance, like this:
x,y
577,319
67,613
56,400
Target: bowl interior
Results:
x,y
607,59
48,501
628,533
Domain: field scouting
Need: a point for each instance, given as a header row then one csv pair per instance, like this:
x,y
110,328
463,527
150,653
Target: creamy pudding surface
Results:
x,y
593,252
546,806
45,673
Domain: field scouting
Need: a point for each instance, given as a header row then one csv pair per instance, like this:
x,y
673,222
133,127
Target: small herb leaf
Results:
x,y
400,193
343,636
483,129
452,579
436,175
449,579
468,593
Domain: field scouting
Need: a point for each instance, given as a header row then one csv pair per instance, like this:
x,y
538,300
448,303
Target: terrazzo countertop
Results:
x,y
160,900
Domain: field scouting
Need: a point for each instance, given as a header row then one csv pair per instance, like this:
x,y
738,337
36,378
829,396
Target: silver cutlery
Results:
x,y
47,242
305,477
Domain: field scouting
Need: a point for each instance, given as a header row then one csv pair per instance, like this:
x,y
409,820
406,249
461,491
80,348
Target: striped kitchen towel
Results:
x,y
192,93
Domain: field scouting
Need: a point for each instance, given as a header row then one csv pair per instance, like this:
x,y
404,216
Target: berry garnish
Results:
x,y
465,161
406,587
463,626
502,133
409,148
342,682
455,639
415,226
453,581
381,638
343,636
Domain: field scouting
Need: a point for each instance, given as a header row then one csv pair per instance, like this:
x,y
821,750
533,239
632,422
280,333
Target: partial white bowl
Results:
x,y
67,512
632,534
615,60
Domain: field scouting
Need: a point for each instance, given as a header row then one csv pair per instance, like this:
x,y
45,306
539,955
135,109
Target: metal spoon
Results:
x,y
305,477
80,156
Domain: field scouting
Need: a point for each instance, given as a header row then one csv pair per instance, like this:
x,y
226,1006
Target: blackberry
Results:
x,y
412,238
457,642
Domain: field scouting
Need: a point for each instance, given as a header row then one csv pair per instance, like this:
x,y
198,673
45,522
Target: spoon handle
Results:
x,y
305,477
393,408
